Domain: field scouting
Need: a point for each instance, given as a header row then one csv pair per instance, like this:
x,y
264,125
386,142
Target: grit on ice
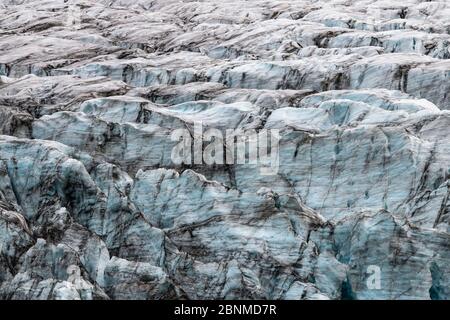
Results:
x,y
185,310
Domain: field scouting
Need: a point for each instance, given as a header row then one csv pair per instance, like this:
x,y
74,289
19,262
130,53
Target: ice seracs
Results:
x,y
92,205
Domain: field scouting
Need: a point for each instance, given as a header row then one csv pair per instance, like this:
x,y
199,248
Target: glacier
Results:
x,y
92,205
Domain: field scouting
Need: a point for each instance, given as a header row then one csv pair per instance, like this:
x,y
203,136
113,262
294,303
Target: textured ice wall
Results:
x,y
93,206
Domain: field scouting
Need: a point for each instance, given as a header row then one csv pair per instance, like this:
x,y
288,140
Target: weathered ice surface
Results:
x,y
93,205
